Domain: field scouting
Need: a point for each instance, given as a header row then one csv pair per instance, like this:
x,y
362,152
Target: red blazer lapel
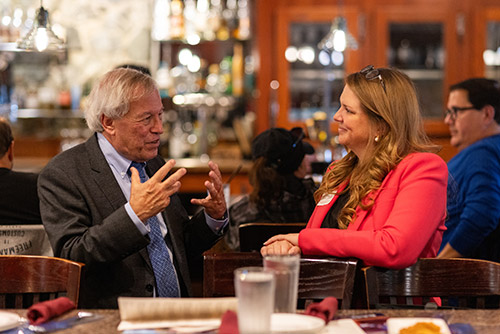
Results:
x,y
360,213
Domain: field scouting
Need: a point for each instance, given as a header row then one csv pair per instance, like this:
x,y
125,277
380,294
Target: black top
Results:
x,y
296,205
331,217
18,198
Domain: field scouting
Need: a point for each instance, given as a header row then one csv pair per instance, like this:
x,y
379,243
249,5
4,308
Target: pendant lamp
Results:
x,y
41,37
338,38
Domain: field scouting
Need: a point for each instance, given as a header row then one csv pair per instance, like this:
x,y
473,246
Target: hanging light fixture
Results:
x,y
338,38
41,37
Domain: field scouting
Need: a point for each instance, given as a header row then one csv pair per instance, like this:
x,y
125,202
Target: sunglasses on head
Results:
x,y
371,73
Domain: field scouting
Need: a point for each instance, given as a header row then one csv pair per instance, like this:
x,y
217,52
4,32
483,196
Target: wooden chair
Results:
x,y
29,279
460,283
319,277
253,235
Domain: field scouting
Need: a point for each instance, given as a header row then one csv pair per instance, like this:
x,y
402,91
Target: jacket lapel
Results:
x,y
103,176
360,213
105,180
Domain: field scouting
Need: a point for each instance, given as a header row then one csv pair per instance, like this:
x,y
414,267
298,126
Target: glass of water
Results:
x,y
286,272
254,288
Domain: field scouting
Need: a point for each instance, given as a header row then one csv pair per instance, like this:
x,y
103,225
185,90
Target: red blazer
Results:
x,y
405,223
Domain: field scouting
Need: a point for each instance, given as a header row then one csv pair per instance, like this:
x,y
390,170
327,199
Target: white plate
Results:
x,y
394,325
282,323
343,326
8,320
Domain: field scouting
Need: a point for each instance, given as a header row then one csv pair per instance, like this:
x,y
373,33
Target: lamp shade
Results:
x,y
41,37
338,38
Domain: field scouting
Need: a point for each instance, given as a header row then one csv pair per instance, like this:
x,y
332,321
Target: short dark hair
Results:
x,y
139,68
482,92
5,136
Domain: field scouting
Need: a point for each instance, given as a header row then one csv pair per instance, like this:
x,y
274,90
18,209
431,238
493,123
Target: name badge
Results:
x,y
326,199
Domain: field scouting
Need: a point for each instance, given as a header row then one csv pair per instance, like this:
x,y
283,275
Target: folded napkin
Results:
x,y
44,311
325,309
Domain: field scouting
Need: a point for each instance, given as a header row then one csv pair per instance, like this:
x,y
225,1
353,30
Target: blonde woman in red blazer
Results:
x,y
393,188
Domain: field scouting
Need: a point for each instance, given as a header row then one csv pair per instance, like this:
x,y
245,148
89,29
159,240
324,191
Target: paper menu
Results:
x,y
142,313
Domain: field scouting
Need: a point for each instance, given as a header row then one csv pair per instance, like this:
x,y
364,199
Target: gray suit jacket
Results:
x,y
82,207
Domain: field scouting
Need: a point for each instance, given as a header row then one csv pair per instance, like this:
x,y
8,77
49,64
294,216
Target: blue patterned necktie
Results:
x,y
166,280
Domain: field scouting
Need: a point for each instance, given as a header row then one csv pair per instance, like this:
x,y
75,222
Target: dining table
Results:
x,y
484,321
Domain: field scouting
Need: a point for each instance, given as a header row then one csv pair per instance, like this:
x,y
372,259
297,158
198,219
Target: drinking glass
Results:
x,y
286,272
254,288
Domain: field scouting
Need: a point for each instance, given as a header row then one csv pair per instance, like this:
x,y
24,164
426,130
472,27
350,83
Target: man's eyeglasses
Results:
x,y
453,111
298,133
371,73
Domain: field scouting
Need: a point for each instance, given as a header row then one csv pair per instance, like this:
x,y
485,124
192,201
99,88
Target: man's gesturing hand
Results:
x,y
214,203
149,198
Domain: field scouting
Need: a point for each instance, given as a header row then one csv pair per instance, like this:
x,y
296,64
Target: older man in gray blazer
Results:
x,y
100,211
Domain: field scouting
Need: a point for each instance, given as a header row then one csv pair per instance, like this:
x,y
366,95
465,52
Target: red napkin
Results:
x,y
325,309
44,311
229,323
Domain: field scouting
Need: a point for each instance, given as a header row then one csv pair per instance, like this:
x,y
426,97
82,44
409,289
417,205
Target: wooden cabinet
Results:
x,y
436,42
485,38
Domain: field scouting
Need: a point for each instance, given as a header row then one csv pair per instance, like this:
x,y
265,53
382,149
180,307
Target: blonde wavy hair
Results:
x,y
395,111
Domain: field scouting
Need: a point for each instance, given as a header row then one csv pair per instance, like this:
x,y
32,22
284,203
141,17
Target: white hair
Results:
x,y
114,92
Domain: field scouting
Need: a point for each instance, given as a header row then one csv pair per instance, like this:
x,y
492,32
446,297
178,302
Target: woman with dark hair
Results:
x,y
281,190
385,201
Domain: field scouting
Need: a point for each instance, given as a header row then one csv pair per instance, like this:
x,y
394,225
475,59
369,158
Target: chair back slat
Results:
x,y
318,277
18,300
28,279
253,235
464,283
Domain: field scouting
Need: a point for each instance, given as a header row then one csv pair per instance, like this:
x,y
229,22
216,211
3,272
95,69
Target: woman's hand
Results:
x,y
281,244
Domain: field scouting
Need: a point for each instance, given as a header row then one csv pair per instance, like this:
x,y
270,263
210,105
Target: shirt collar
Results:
x,y
114,159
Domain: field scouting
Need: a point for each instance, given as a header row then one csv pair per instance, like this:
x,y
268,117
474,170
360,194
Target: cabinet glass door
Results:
x,y
316,75
309,77
420,42
418,50
491,56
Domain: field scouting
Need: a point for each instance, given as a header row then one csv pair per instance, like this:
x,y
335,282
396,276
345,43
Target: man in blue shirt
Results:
x,y
473,116
111,202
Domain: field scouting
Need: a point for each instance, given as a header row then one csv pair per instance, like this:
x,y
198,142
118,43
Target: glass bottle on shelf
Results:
x,y
15,26
191,34
243,30
214,19
230,15
225,67
176,19
201,20
5,19
237,70
161,20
